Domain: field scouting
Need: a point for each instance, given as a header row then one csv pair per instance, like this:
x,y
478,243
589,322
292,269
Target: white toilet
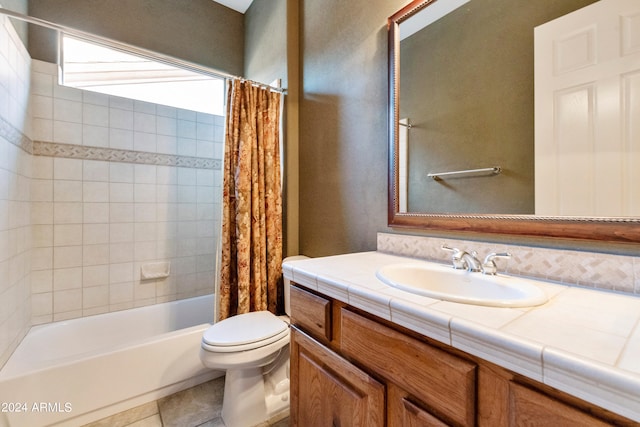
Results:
x,y
254,350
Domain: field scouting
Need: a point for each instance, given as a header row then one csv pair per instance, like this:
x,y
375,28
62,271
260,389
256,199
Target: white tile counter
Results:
x,y
584,342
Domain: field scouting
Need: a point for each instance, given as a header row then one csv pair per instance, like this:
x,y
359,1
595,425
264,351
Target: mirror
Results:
x,y
495,126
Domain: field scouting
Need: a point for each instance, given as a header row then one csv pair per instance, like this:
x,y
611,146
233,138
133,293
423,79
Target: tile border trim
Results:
x,y
71,151
14,136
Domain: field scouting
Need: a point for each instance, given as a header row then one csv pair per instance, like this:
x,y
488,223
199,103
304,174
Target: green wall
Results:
x,y
343,124
198,31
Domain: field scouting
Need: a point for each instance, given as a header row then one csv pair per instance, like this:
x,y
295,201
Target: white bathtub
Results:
x,y
73,372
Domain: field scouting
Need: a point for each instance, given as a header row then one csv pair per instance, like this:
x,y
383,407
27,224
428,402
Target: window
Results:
x,y
101,69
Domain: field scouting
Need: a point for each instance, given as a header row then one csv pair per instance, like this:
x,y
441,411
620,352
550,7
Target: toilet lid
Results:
x,y
245,329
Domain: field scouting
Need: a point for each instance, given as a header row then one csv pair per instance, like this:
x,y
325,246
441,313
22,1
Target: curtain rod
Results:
x,y
127,48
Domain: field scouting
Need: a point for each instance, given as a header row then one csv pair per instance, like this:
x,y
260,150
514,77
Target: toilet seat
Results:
x,y
245,332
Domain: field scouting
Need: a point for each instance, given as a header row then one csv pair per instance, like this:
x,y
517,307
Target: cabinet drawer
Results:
x,y
528,407
444,382
311,313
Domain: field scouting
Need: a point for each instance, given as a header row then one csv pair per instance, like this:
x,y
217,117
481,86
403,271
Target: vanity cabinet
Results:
x,y
349,368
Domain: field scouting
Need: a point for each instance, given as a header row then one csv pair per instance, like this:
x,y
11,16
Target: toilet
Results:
x,y
253,348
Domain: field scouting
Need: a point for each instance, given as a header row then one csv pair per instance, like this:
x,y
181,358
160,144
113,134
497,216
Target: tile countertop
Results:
x,y
582,341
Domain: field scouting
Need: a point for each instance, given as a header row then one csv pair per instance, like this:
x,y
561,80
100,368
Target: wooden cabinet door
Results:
x,y
403,411
530,408
327,390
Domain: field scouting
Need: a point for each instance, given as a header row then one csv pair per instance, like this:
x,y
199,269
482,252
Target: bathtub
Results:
x,y
73,372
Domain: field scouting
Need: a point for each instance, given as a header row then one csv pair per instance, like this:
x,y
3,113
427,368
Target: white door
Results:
x,y
587,112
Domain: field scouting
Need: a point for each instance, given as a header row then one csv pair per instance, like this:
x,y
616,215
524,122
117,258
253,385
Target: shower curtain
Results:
x,y
251,258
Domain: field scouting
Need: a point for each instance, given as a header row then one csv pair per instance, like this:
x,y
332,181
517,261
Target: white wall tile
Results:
x,y
95,275
67,278
42,129
95,255
122,232
167,144
95,170
42,167
144,141
95,115
67,213
95,296
67,169
121,139
93,191
144,193
143,122
95,213
120,192
42,236
95,98
121,172
41,281
42,107
67,111
120,119
121,212
121,252
67,256
42,213
122,272
67,191
93,234
145,174
42,190
187,147
68,93
121,103
41,304
94,222
66,301
41,84
95,136
67,234
67,132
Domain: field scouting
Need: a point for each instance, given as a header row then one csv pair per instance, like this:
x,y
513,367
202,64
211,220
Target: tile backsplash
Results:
x,y
594,270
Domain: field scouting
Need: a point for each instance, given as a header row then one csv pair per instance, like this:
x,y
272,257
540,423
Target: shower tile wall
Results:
x,y
107,197
15,174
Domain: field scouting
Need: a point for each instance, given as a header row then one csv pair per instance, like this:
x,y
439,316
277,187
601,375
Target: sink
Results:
x,y
449,284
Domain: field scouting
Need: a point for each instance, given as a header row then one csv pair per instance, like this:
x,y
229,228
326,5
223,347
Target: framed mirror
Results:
x,y
461,124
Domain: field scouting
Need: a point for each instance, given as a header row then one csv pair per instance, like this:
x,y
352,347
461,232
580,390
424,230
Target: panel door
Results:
x,y
328,391
533,409
587,105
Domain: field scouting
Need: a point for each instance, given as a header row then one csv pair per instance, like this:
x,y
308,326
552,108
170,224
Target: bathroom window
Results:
x,y
101,69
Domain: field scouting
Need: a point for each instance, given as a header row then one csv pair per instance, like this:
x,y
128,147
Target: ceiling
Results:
x,y
239,5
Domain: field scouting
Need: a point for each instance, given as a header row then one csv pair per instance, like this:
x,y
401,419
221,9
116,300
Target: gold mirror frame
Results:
x,y
614,230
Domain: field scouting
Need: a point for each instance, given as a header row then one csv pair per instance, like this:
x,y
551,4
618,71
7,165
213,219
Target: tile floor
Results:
x,y
198,406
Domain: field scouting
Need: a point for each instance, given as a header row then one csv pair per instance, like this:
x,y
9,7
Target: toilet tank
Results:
x,y
287,284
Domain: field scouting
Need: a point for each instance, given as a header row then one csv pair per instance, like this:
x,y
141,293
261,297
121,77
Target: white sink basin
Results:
x,y
449,284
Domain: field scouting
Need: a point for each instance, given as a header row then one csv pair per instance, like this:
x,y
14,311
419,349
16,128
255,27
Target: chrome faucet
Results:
x,y
471,262
463,260
489,265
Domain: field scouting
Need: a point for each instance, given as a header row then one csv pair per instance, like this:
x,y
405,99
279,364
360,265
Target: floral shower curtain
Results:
x,y
251,259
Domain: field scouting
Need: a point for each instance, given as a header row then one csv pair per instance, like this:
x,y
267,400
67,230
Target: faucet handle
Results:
x,y
489,265
456,256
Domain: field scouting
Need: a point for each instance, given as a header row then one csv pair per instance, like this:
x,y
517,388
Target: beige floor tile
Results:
x,y
128,417
194,406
